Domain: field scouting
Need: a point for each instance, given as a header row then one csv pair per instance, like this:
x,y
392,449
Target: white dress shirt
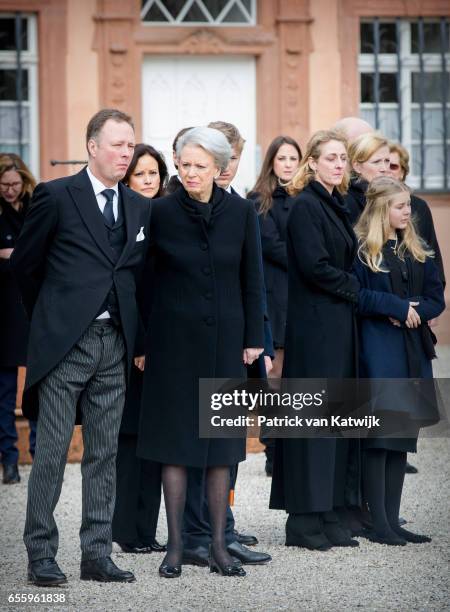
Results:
x,y
98,187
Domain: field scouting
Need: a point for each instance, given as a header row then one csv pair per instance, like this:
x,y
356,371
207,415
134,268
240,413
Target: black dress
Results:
x,y
207,307
273,241
321,342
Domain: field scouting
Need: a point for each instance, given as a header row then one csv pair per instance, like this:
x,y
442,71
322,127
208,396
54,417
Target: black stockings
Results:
x,y
217,491
174,480
383,475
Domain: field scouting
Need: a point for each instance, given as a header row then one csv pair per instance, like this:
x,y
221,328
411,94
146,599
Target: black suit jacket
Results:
x,y
64,266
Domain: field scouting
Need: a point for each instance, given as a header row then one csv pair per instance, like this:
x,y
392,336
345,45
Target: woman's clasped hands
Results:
x,y
412,320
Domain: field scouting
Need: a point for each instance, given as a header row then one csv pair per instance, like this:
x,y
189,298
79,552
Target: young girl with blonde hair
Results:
x,y
400,292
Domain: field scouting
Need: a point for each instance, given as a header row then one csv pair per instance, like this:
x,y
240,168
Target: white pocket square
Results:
x,y
141,235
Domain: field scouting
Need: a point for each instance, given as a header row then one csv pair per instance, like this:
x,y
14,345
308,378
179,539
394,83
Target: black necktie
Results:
x,y
108,212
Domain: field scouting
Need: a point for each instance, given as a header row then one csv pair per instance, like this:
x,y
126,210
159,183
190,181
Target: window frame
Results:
x,y
210,23
30,63
409,63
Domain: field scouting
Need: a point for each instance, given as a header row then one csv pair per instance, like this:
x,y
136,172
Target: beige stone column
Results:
x,y
293,26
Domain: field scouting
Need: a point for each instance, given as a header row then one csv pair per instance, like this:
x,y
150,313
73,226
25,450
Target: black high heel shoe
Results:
x,y
169,571
233,569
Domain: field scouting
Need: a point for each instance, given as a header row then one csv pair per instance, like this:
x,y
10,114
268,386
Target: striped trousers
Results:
x,y
91,375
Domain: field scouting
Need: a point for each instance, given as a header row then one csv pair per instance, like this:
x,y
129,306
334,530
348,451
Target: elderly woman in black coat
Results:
x,y
309,474
206,321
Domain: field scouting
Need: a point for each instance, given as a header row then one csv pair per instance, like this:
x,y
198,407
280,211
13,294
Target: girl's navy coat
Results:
x,y
382,348
388,351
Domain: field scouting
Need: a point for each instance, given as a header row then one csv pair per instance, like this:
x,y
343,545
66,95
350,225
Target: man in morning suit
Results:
x,y
76,261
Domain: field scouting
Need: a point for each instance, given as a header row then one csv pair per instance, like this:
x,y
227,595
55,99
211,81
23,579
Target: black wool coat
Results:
x,y
273,240
14,325
355,198
423,220
65,267
207,307
321,338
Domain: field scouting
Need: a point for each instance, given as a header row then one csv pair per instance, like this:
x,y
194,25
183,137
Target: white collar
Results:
x,y
98,186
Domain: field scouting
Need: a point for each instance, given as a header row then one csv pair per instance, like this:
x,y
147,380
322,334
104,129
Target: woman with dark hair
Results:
x,y
16,187
274,204
147,173
138,494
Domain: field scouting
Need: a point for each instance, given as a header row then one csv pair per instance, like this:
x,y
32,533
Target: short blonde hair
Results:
x,y
403,155
364,147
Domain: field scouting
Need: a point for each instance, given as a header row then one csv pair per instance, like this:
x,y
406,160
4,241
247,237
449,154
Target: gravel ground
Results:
x,y
372,577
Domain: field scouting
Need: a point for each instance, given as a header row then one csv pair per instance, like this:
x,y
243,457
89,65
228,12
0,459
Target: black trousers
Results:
x,y
138,495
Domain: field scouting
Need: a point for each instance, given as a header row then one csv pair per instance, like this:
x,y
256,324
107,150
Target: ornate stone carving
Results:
x,y
203,42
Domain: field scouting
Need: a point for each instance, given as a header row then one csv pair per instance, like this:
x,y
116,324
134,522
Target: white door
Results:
x,y
179,91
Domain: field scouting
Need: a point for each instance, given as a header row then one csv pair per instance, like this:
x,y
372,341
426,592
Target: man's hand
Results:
x,y
5,253
139,362
251,354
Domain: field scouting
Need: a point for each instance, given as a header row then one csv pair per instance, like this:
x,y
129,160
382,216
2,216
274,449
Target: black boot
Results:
x,y
10,473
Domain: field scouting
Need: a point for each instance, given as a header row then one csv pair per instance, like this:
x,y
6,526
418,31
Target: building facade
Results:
x,y
270,66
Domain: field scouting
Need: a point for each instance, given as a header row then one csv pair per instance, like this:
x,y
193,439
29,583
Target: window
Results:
x,y
199,12
404,91
18,88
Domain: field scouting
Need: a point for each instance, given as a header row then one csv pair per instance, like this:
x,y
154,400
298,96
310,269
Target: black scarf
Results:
x,y
200,210
357,190
407,278
337,203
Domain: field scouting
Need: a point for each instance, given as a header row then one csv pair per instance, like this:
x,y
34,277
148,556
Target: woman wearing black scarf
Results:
x,y
274,204
16,187
309,473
